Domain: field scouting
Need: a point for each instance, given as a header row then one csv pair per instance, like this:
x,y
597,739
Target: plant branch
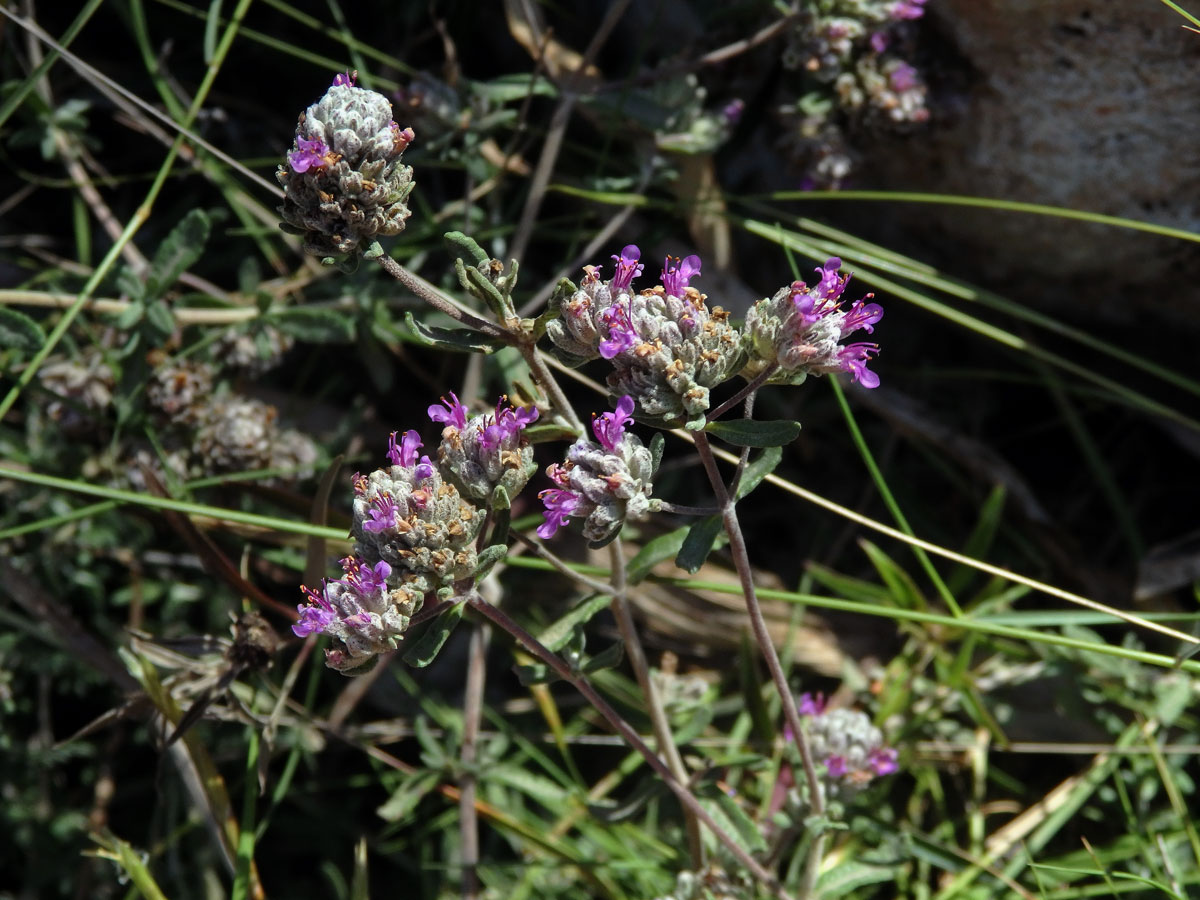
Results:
x,y
434,298
741,559
468,820
544,378
747,389
663,735
581,684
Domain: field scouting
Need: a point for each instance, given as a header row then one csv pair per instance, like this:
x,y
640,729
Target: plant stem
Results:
x,y
741,560
544,378
663,735
468,821
430,295
581,684
747,390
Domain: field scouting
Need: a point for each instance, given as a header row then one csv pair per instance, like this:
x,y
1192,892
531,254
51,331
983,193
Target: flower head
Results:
x,y
800,330
483,452
344,183
360,609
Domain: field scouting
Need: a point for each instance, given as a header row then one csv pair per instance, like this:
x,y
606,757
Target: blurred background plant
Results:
x,y
183,393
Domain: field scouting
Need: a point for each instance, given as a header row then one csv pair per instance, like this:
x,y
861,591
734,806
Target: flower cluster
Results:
x,y
344,182
361,611
853,73
800,330
845,742
605,482
486,451
666,346
414,533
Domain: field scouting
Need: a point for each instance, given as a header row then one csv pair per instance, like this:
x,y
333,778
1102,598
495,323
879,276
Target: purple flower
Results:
x,y
854,359
675,277
310,155
610,426
831,284
628,268
345,78
732,111
559,506
363,578
404,454
621,334
908,9
424,469
883,760
862,315
811,704
879,41
903,77
836,765
454,413
383,513
506,425
316,614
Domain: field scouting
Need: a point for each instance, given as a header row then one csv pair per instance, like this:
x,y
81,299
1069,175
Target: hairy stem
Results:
x,y
430,295
758,624
468,821
632,738
544,379
746,391
636,654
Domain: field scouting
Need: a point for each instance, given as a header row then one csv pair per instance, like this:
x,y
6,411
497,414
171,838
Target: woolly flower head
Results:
x,y
800,330
361,611
605,482
408,517
485,451
344,183
846,743
666,346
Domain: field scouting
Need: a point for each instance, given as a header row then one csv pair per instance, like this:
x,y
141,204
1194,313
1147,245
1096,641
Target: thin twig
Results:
x,y
741,559
561,565
468,820
747,389
663,735
581,684
434,298
545,379
557,130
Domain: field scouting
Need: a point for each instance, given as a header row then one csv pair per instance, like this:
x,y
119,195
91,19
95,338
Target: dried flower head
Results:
x,y
345,184
800,330
846,743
